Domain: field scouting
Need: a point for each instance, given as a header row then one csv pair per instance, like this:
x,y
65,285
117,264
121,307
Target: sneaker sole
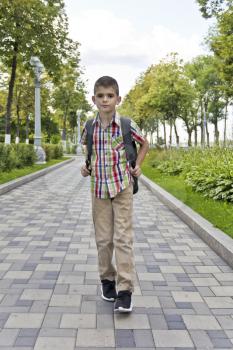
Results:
x,y
106,299
123,310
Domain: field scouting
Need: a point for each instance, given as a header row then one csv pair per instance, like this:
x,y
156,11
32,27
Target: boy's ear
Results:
x,y
93,99
118,100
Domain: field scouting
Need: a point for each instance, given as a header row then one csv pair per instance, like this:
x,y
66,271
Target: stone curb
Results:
x,y
219,241
4,188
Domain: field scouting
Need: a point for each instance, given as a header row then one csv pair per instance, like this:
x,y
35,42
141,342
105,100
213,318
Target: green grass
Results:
x,y
219,213
15,173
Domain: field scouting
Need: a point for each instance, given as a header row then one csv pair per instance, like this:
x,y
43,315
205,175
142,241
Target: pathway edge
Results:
x,y
219,241
8,186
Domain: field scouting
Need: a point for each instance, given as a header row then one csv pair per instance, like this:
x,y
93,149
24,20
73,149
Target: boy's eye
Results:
x,y
107,95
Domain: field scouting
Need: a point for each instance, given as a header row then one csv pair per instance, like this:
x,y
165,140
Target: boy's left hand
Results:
x,y
135,171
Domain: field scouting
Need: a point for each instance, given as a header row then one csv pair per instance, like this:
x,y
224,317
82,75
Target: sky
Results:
x,y
122,38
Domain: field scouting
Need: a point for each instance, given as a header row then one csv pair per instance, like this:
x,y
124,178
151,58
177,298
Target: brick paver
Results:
x,y
49,286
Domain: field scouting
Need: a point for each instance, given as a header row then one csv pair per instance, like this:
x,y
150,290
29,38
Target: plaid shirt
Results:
x,y
110,168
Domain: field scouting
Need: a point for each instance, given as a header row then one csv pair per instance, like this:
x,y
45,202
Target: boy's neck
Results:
x,y
106,117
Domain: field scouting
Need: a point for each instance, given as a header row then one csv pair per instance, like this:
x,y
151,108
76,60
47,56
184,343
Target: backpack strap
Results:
x,y
130,145
90,129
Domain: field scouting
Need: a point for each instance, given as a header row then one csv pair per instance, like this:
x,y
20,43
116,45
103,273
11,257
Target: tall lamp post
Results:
x,y
38,69
78,149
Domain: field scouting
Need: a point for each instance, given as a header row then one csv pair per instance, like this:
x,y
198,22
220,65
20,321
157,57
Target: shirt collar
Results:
x,y
115,119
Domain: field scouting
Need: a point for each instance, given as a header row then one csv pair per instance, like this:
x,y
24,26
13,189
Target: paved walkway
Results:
x,y
49,287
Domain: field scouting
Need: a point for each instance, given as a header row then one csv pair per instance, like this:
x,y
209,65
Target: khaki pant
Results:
x,y
113,229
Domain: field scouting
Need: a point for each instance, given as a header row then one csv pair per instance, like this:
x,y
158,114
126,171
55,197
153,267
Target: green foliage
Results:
x,y
33,28
221,44
8,158
22,155
219,213
25,154
16,156
211,8
209,171
53,151
55,139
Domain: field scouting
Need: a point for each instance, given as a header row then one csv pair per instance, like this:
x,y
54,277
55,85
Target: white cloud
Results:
x,y
114,46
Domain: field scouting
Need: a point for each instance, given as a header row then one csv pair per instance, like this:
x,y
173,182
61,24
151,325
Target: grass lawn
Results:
x,y
15,173
219,213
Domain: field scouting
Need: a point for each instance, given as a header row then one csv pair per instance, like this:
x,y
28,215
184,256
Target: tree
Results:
x,y
33,27
221,44
69,95
210,88
210,8
171,94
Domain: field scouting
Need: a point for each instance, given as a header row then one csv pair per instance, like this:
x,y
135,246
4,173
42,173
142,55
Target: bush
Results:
x,y
55,139
53,151
8,158
58,151
26,155
48,151
209,170
21,155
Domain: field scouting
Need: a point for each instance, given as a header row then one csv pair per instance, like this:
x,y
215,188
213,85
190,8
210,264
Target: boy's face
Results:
x,y
106,99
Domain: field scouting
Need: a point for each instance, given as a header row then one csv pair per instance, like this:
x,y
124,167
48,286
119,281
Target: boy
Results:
x,y
112,194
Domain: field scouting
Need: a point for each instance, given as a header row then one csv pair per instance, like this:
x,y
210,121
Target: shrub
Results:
x,y
8,158
58,151
209,170
53,151
26,155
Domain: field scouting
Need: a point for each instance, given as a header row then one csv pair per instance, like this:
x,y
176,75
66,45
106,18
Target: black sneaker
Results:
x,y
108,290
123,302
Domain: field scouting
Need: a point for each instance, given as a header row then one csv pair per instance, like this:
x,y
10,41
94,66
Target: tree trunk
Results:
x,y
151,137
18,122
170,136
64,129
165,135
216,132
202,122
10,92
157,131
18,115
177,136
207,136
27,128
207,140
195,130
189,137
225,125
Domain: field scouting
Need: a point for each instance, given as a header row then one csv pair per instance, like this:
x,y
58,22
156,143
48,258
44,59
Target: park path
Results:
x,y
49,286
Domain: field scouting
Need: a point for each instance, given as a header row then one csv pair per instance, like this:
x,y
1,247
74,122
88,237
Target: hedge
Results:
x,y
21,155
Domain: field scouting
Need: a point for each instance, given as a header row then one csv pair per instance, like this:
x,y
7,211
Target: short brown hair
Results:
x,y
107,81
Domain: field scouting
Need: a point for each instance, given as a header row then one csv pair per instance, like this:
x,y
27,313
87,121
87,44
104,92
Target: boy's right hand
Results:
x,y
84,171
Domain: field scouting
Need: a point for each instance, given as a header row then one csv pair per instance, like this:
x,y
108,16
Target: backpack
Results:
x,y
130,145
